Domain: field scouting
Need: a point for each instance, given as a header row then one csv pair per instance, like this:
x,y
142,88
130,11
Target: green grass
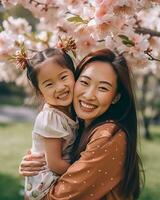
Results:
x,y
15,139
151,162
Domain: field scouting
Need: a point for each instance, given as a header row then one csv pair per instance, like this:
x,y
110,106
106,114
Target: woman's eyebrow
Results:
x,y
103,82
106,82
83,76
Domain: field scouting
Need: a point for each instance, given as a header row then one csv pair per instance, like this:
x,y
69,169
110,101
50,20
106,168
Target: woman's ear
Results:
x,y
116,98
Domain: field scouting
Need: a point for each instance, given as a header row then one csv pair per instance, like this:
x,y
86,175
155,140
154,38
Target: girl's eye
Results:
x,y
103,89
64,77
84,83
49,84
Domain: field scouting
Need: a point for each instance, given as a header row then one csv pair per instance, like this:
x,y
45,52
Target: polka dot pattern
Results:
x,y
98,171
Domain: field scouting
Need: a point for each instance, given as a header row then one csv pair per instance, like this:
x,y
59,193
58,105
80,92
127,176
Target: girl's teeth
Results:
x,y
63,95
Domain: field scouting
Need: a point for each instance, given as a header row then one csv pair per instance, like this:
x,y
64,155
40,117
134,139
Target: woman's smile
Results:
x,y
87,107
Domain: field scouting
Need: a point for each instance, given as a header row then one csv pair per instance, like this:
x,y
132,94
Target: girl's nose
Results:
x,y
60,87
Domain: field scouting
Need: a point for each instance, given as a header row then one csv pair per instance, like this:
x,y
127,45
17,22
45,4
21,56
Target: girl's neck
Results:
x,y
65,109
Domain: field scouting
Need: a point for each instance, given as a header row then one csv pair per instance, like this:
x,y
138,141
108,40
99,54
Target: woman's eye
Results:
x,y
103,89
83,82
64,77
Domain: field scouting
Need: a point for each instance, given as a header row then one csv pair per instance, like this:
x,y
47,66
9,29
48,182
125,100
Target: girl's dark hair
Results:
x,y
59,56
123,113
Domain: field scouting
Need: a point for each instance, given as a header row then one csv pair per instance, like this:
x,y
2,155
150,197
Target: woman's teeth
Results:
x,y
87,107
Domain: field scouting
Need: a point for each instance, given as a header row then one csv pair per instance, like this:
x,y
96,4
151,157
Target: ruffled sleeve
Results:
x,y
50,124
98,172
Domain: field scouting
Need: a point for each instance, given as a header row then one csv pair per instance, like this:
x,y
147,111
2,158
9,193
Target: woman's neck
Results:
x,y
87,123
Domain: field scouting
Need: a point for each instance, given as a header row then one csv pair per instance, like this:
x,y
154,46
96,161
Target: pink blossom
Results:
x,y
6,45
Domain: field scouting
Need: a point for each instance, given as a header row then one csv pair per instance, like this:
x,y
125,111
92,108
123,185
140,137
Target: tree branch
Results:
x,y
150,56
147,31
45,6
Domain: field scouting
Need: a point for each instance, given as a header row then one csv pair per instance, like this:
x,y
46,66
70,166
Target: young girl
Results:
x,y
51,72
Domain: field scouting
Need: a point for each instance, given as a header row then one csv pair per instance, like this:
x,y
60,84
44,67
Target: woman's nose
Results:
x,y
90,93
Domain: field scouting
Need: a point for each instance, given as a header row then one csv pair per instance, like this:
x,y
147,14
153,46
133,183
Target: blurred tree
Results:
x,y
18,11
148,97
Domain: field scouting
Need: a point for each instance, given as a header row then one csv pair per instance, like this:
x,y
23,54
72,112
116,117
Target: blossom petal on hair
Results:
x,y
20,58
67,44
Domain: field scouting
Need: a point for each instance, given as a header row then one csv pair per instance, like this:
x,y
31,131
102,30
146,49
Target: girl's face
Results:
x,y
94,90
56,83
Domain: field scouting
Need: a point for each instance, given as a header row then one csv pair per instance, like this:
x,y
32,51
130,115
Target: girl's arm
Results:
x,y
33,163
53,153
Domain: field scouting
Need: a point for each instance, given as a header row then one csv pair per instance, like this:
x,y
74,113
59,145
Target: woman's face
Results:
x,y
94,90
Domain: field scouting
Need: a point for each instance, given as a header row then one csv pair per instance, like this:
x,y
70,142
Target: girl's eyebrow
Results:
x,y
103,82
62,72
46,81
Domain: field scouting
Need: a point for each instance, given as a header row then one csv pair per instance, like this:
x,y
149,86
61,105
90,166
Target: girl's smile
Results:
x,y
56,83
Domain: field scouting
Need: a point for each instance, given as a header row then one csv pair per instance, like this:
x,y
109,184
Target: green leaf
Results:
x,y
77,20
126,41
123,37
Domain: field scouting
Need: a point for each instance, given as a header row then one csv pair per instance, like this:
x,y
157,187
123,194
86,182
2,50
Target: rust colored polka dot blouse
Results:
x,y
98,173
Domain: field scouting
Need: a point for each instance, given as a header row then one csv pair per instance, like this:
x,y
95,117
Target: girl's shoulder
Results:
x,y
49,114
50,123
55,113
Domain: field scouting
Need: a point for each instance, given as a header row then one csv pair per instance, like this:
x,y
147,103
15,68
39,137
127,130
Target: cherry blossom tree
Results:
x,y
131,27
118,24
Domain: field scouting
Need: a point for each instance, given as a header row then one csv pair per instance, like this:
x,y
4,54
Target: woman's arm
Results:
x,y
32,164
97,172
53,153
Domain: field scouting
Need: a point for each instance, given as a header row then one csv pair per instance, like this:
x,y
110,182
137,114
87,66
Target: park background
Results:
x,y
17,113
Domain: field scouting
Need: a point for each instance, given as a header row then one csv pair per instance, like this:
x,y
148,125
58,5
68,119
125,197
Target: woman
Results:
x,y
106,163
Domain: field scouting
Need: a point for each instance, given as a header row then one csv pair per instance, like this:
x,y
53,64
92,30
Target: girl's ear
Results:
x,y
116,99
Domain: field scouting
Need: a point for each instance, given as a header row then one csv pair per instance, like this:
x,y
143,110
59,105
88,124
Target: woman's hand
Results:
x,y
32,164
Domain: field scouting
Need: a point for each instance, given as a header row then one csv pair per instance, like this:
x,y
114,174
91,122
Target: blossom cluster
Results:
x,y
93,24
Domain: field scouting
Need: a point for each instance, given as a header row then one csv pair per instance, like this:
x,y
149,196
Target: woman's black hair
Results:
x,y
123,113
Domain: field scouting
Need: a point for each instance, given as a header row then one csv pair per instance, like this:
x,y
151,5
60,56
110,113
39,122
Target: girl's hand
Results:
x,y
32,164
